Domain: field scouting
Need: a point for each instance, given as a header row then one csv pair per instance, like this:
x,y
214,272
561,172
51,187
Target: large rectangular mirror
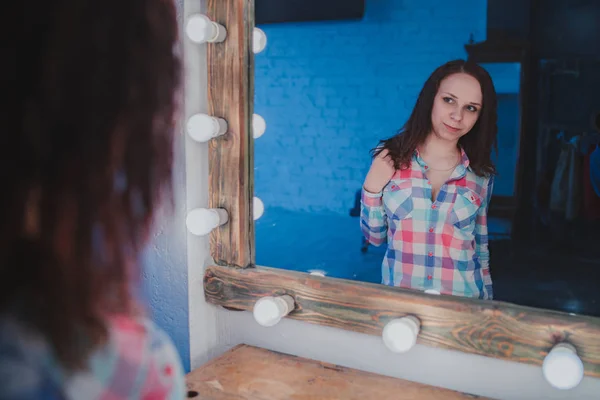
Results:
x,y
289,171
331,90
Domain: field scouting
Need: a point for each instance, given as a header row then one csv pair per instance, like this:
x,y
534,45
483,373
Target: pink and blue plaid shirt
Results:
x,y
440,246
139,361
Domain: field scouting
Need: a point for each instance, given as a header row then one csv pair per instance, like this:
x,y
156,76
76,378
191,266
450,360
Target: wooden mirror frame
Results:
x,y
488,328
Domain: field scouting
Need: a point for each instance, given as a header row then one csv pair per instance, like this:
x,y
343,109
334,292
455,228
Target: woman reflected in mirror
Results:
x,y
428,189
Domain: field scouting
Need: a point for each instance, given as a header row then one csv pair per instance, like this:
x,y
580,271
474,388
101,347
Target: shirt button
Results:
x,y
429,277
430,229
430,254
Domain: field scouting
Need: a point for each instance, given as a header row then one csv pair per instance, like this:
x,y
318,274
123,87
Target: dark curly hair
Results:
x,y
478,143
86,160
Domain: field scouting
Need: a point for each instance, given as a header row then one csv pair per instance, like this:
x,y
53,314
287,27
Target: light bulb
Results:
x,y
259,126
562,368
200,29
202,127
400,335
432,291
317,272
201,221
269,310
259,40
258,208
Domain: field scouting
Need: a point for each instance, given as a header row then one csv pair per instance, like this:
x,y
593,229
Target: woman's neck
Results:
x,y
439,149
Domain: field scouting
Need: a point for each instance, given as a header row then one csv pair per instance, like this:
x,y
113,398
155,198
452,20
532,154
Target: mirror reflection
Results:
x,y
389,158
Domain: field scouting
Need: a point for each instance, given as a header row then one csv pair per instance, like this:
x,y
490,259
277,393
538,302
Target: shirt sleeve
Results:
x,y
481,239
139,361
373,219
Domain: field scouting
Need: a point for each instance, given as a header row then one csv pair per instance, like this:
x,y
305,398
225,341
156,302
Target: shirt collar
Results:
x,y
461,168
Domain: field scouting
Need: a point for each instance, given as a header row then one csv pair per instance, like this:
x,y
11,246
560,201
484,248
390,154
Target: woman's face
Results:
x,y
456,106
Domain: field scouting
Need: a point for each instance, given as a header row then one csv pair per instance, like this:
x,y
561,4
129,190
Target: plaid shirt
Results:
x,y
441,245
139,361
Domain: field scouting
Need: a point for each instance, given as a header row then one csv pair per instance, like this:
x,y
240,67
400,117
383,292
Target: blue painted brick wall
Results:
x,y
330,90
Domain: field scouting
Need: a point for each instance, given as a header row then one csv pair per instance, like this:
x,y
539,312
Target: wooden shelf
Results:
x,y
247,372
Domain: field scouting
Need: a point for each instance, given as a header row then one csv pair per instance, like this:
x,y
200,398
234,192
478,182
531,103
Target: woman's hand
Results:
x,y
381,171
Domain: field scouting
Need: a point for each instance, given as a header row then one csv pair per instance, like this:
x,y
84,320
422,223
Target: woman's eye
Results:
x,y
472,108
448,99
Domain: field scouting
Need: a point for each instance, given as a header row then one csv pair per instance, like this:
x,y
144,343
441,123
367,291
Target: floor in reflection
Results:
x,y
545,276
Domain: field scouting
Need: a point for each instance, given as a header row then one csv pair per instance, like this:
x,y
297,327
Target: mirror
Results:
x,y
329,91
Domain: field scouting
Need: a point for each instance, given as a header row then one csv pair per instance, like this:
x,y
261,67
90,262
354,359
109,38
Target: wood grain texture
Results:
x,y
230,96
247,372
488,328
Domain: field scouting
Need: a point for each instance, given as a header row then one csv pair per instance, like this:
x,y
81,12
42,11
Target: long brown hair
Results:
x,y
478,143
86,160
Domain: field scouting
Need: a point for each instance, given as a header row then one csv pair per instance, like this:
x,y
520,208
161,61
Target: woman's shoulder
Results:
x,y
125,328
138,360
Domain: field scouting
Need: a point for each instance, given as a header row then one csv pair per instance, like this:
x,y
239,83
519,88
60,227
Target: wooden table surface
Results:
x,y
247,372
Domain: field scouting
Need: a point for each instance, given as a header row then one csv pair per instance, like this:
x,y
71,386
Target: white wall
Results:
x,y
212,330
203,318
165,266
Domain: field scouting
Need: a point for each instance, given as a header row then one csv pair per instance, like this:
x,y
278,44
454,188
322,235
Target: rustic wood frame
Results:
x,y
488,328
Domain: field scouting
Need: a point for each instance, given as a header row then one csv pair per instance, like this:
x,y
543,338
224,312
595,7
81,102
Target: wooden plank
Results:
x,y
247,372
489,328
230,96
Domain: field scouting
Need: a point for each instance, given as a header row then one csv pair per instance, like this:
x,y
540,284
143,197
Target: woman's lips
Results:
x,y
451,129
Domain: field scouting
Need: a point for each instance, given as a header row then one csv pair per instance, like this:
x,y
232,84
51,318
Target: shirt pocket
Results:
x,y
464,210
397,198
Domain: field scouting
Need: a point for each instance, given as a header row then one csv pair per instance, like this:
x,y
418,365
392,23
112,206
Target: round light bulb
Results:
x,y
258,208
432,291
269,310
400,335
259,40
201,221
259,125
318,273
200,29
562,367
202,127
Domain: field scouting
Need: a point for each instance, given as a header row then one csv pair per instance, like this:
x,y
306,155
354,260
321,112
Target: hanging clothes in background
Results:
x,y
566,188
568,166
547,158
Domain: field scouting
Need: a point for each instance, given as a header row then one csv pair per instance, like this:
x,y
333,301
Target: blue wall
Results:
x,y
330,90
164,267
165,284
